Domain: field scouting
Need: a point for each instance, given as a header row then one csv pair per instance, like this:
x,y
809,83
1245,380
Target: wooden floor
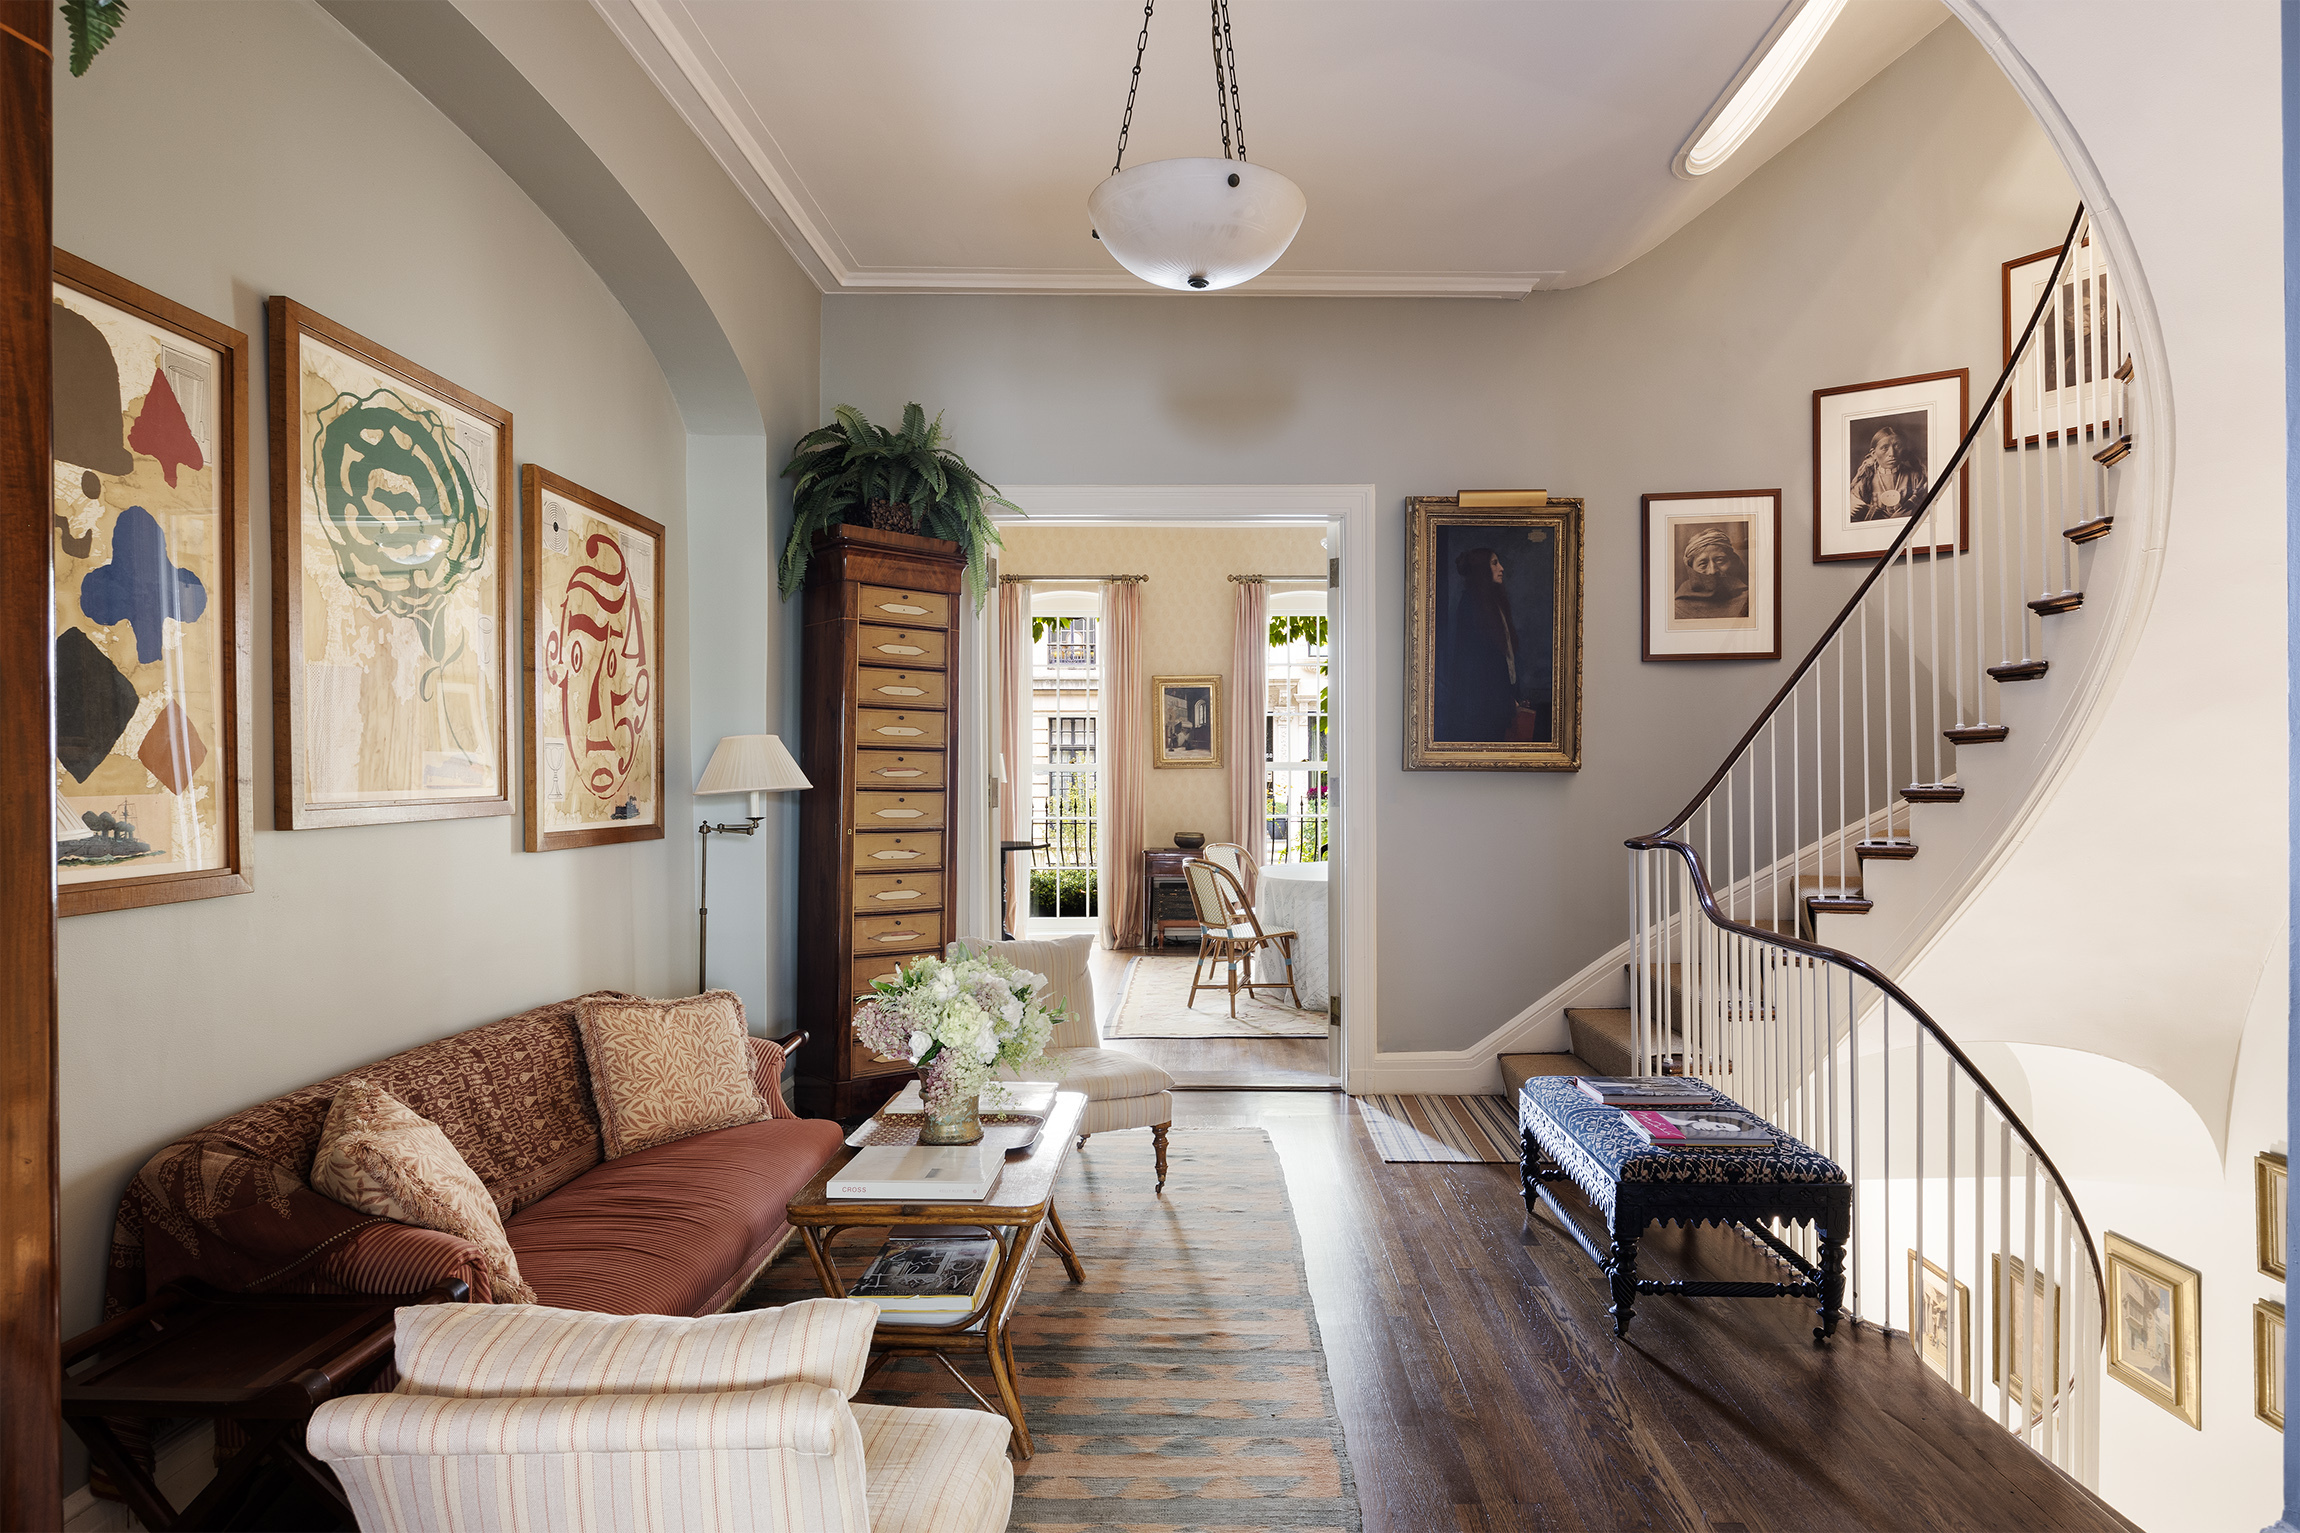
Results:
x,y
1481,1388
1197,1064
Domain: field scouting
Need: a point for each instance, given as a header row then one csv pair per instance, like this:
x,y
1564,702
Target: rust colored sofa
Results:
x,y
680,1229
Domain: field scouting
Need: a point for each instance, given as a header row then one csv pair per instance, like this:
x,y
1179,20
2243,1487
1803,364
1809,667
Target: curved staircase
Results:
x,y
1857,813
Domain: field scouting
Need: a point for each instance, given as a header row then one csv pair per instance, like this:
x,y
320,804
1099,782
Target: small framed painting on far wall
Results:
x,y
1877,449
1710,567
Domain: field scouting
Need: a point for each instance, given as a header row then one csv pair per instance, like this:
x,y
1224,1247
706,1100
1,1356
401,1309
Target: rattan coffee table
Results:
x,y
1019,1212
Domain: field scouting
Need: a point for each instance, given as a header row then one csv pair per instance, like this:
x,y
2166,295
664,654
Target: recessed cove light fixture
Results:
x,y
1759,87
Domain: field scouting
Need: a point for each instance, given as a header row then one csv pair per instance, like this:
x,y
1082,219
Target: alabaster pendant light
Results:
x,y
1197,225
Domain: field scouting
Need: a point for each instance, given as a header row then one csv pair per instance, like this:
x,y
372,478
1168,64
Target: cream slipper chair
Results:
x,y
511,1417
1122,1090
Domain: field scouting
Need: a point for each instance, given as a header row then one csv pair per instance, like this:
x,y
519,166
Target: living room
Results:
x,y
521,201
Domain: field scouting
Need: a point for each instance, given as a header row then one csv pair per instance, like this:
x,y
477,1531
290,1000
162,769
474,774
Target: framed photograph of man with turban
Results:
x,y
391,585
1877,449
1493,632
1711,562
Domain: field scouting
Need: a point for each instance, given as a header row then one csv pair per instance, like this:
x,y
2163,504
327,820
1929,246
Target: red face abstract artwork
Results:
x,y
597,658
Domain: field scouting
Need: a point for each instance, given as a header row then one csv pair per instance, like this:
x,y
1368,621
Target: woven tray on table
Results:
x,y
1012,1132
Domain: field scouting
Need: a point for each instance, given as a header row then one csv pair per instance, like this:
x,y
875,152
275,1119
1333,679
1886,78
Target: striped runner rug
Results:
x,y
1183,1386
1446,1129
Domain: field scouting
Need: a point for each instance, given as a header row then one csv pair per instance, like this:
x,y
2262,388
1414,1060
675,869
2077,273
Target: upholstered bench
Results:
x,y
1567,1136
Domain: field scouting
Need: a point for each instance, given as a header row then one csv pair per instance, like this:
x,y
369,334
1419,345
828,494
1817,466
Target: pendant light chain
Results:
x,y
1126,123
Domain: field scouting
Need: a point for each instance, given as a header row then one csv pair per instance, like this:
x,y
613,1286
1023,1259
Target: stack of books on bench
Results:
x,y
1678,1115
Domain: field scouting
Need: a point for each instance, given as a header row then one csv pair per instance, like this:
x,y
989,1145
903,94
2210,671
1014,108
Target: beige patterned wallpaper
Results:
x,y
1188,612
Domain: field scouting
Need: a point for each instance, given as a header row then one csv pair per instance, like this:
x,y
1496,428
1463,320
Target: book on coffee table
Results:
x,y
929,1281
1643,1091
1713,1129
891,1173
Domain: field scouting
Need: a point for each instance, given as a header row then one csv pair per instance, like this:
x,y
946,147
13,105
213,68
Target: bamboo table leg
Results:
x,y
1060,1238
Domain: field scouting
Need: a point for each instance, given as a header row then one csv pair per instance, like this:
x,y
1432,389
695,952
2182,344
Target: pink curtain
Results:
x,y
1125,756
1014,743
1249,699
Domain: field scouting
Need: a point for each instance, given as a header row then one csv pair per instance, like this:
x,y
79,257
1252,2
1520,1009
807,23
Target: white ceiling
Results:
x,y
1447,147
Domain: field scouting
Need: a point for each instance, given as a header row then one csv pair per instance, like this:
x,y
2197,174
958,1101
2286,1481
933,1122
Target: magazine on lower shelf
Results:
x,y
930,1280
1715,1128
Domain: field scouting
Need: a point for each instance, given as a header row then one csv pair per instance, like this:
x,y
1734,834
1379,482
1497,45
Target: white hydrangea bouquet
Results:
x,y
959,1019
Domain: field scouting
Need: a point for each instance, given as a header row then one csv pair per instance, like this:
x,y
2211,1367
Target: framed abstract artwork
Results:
x,y
1941,1323
2154,1330
1493,632
2080,348
1710,573
2268,1362
391,585
149,527
591,578
1877,448
1186,721
2271,1194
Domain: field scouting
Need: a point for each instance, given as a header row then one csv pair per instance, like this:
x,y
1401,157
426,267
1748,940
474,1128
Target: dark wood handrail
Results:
x,y
1894,993
1885,559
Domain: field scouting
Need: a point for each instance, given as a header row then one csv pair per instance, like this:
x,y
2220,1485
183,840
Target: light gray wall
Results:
x,y
220,154
1869,249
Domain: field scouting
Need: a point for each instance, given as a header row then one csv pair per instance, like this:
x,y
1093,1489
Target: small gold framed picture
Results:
x,y
2268,1362
2153,1327
1942,1334
2271,1184
2009,1347
1186,721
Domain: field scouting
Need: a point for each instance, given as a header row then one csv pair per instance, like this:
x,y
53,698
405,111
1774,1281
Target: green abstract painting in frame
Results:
x,y
149,522
391,639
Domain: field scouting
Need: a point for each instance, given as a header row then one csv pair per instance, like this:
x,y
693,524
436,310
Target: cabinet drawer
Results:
x,y
921,930
892,892
907,727
898,769
880,853
918,609
900,646
875,966
865,1064
898,689
898,811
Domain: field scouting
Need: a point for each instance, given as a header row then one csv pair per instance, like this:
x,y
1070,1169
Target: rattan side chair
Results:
x,y
1234,860
1229,933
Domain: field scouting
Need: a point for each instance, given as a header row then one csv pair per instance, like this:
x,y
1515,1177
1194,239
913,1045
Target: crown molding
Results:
x,y
664,40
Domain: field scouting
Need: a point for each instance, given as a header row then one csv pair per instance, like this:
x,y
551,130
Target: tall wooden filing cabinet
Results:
x,y
877,868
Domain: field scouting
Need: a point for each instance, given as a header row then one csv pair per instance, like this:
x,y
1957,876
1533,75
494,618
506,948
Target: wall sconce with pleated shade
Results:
x,y
753,764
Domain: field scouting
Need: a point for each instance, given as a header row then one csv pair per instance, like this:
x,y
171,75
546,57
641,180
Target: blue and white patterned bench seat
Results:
x,y
1566,1136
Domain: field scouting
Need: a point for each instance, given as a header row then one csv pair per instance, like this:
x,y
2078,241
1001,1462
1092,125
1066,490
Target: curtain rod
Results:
x,y
1023,580
1246,580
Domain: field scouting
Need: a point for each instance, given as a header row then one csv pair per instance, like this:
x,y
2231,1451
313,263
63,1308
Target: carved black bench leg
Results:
x,y
1622,1268
1832,1282
1528,1162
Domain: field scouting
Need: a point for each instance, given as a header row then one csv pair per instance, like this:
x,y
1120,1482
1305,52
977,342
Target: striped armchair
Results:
x,y
1122,1090
514,1417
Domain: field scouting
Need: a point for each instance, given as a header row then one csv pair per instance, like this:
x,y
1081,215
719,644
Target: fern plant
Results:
x,y
91,24
841,468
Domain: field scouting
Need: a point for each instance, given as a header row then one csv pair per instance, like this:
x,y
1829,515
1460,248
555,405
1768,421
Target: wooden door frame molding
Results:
x,y
30,1319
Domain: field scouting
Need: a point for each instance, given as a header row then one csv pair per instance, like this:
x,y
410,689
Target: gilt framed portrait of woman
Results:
x,y
1493,632
1711,570
1877,448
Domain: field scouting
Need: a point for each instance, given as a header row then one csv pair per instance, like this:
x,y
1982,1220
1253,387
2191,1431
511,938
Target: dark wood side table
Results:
x,y
265,1360
1162,874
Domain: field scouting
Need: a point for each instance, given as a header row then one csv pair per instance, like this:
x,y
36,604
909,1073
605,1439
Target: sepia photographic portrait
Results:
x,y
1877,450
1711,571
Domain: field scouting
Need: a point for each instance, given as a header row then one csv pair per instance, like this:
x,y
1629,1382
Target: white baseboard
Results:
x,y
1476,1070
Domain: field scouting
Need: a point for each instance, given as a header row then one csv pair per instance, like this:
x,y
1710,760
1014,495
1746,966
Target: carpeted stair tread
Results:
x,y
1517,1069
1601,1036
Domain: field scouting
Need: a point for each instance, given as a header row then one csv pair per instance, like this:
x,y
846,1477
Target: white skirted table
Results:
x,y
1293,895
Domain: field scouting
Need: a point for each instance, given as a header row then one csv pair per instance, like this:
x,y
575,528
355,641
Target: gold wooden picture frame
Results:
x,y
1493,632
2268,1362
2009,1348
1941,1327
2154,1327
1185,721
591,586
154,715
391,585
2271,1188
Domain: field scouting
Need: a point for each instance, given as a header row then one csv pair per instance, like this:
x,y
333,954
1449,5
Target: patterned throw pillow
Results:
x,y
380,1156
661,1070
